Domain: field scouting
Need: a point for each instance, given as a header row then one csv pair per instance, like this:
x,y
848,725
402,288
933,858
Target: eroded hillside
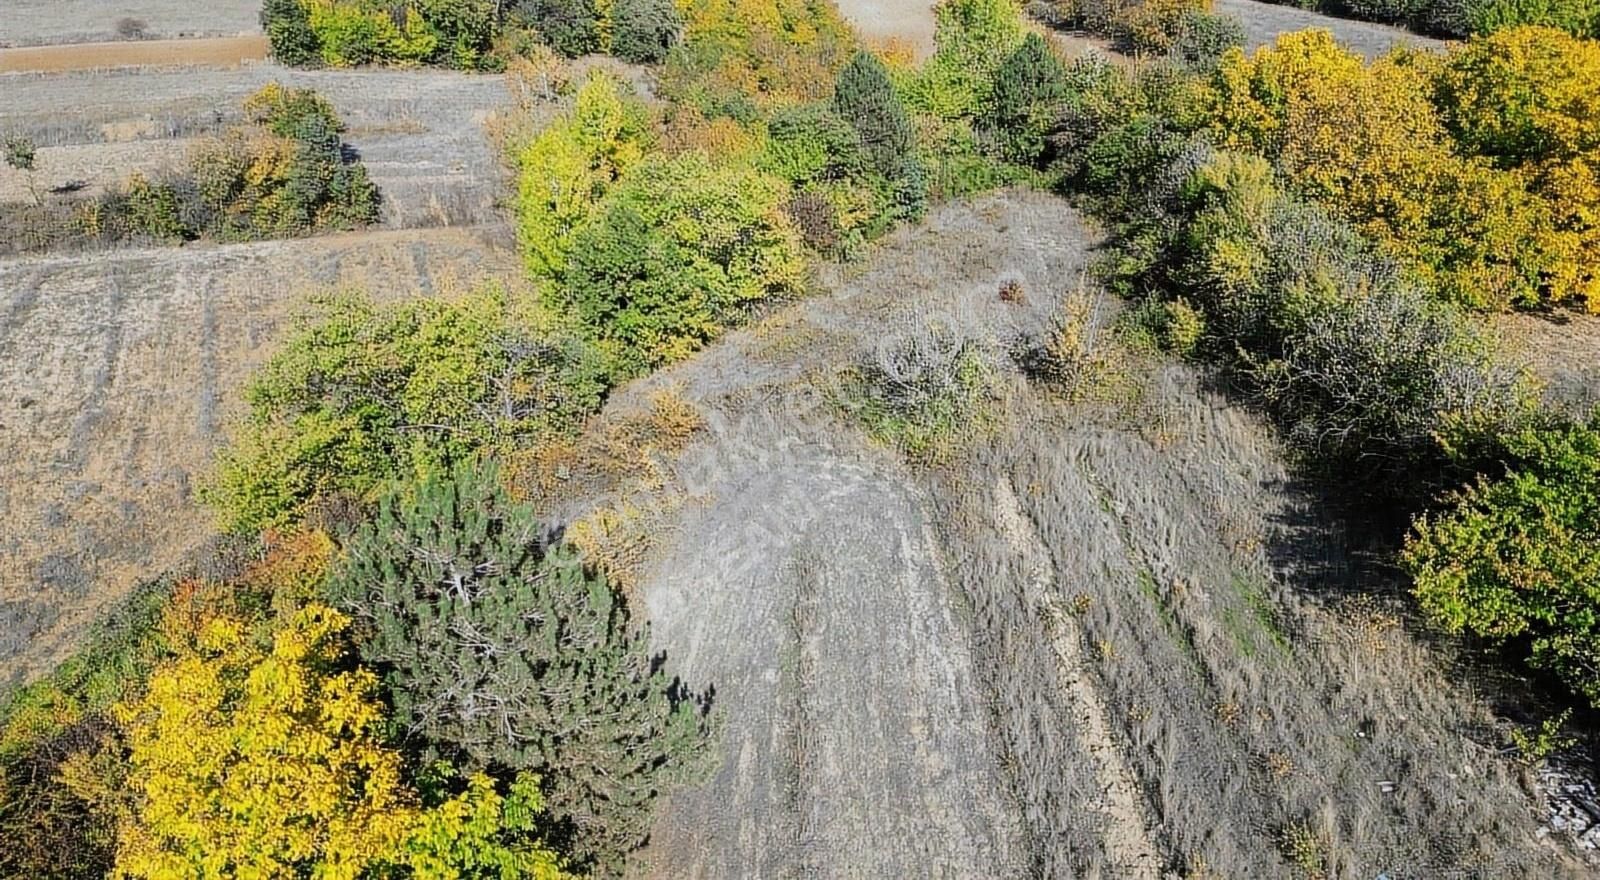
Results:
x,y
1098,641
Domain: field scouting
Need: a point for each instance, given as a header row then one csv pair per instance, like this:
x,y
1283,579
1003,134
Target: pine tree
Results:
x,y
507,655
1029,86
865,98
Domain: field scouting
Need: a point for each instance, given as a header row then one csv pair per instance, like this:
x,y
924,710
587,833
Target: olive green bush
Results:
x,y
679,251
644,31
360,394
1516,558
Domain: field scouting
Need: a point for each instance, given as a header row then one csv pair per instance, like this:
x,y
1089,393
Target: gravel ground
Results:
x,y
40,22
1263,22
118,371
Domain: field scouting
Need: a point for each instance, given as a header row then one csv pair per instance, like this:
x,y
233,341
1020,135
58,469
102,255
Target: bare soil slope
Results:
x,y
1102,642
1263,22
118,371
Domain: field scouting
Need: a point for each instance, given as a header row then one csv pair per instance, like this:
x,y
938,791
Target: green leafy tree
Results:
x,y
571,27
1029,89
360,394
972,39
510,655
678,252
1518,557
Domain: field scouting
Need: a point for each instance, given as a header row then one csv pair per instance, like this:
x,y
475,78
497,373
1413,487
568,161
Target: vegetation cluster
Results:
x,y
283,172
465,34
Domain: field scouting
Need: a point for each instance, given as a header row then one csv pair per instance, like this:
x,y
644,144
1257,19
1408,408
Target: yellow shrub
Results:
x,y
1367,142
1528,100
256,763
245,761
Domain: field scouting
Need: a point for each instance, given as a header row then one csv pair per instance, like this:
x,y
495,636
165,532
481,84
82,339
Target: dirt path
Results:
x,y
202,52
1130,852
909,21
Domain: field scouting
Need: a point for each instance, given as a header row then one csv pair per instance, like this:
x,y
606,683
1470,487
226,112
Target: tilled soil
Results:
x,y
36,22
419,132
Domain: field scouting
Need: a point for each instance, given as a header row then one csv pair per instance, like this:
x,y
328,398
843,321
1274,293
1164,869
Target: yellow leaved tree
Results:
x,y
248,761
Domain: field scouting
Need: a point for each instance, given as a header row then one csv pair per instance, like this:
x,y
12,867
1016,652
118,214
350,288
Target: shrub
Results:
x,y
1202,39
1521,99
1516,557
361,394
972,39
810,143
288,29
510,655
1153,26
1580,18
679,251
645,30
1391,11
746,56
153,210
1369,371
1029,88
244,760
919,390
1365,142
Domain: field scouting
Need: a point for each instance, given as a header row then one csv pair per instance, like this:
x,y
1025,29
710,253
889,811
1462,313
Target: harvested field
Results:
x,y
1105,641
41,22
202,52
420,132
119,370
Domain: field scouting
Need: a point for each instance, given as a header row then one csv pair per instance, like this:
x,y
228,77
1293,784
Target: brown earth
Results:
x,y
200,52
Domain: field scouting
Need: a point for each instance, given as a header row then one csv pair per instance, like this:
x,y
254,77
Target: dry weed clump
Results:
x,y
1011,292
622,452
615,541
623,455
921,391
1366,623
535,83
1304,849
1079,355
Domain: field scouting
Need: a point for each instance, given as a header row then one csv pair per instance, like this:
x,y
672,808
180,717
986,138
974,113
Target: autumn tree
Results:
x,y
507,654
246,760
